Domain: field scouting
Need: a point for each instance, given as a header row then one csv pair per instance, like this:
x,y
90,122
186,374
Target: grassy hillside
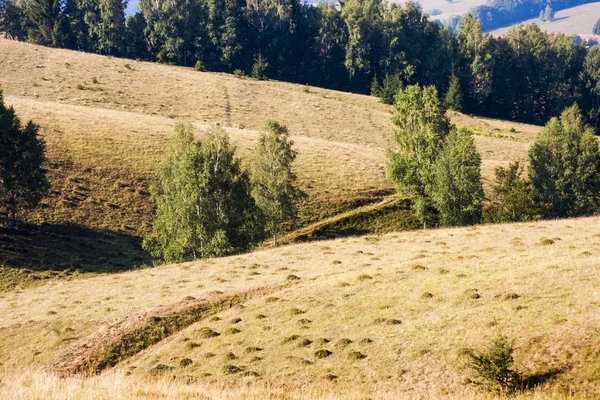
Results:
x,y
395,311
108,121
571,21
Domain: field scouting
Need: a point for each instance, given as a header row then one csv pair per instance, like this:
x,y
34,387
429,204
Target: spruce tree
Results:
x,y
259,68
203,202
46,20
23,181
453,99
273,178
456,190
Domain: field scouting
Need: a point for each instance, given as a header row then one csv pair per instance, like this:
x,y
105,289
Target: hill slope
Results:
x,y
396,312
108,122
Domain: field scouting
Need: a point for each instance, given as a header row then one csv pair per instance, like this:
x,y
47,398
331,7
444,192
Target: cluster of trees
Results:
x,y
547,14
359,46
439,166
208,205
435,163
23,180
527,75
499,13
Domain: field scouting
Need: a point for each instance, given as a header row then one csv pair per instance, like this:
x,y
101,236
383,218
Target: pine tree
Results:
x,y
453,99
420,128
456,190
564,168
203,203
23,181
596,30
46,21
259,68
273,179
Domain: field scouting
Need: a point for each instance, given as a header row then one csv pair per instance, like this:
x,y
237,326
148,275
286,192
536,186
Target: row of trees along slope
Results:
x,y
527,75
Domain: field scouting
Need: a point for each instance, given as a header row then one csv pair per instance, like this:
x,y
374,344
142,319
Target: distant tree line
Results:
x,y
358,46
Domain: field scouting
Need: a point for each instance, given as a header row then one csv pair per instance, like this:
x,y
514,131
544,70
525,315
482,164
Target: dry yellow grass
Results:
x,y
451,289
30,385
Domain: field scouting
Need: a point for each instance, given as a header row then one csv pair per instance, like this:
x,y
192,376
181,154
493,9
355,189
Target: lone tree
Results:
x,y
456,190
596,30
273,178
203,203
420,128
23,180
564,166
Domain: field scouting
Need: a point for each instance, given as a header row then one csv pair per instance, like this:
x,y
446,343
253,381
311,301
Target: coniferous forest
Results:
x,y
362,46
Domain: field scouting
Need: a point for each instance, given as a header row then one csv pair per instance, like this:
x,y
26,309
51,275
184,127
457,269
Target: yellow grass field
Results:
x,y
387,315
408,303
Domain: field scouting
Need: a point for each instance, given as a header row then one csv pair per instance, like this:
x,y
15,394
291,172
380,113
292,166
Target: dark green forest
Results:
x,y
362,46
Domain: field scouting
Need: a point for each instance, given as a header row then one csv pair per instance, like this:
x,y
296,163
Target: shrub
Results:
x,y
494,366
199,66
511,197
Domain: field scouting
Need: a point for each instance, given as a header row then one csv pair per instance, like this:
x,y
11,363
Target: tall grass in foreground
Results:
x,y
37,384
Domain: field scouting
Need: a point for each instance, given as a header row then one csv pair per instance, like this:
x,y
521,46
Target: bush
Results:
x,y
511,197
495,366
199,66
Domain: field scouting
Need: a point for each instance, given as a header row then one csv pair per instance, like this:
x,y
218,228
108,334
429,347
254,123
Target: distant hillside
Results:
x,y
108,121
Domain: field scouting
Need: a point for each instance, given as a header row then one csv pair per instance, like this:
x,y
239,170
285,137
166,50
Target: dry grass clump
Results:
x,y
207,332
322,353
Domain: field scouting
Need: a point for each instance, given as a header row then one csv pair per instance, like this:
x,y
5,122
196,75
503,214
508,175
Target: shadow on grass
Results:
x,y
531,381
33,254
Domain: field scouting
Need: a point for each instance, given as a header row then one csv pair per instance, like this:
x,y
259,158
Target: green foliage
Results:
x,y
273,179
565,166
23,181
375,87
362,20
199,66
260,68
47,21
456,190
392,84
420,128
511,197
203,202
596,30
494,366
13,22
453,99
